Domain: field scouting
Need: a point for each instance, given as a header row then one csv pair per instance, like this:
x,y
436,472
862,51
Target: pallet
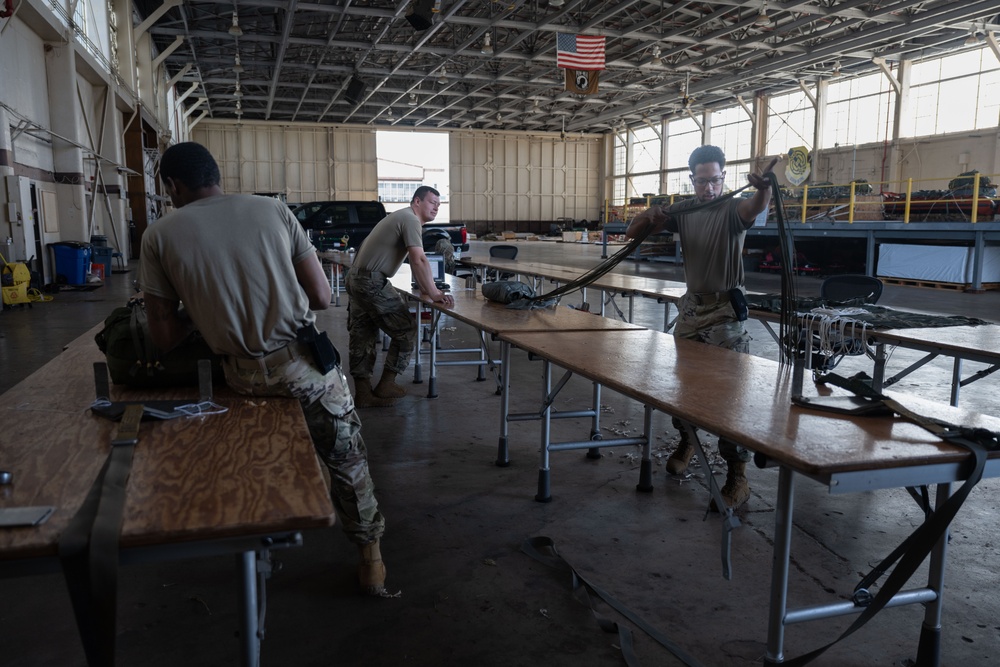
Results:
x,y
914,282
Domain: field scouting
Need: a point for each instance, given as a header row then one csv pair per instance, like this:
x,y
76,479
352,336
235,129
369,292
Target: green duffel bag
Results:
x,y
507,291
134,361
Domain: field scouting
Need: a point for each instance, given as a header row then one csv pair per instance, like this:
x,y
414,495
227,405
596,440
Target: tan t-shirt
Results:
x,y
713,245
230,259
385,248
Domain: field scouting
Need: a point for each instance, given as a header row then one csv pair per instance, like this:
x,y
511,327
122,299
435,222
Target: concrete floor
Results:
x,y
456,521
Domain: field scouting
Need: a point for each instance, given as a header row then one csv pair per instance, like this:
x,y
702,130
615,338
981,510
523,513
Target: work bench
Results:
x,y
243,482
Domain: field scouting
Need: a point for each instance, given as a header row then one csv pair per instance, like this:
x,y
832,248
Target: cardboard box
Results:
x,y
572,237
509,236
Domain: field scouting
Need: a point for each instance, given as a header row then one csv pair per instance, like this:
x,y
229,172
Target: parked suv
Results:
x,y
328,222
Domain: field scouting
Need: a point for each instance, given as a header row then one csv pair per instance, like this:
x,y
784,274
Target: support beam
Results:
x,y
177,77
888,73
166,52
991,41
187,94
190,109
697,121
197,120
155,16
746,107
809,94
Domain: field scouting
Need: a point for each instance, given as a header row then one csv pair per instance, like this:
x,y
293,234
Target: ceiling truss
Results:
x,y
292,61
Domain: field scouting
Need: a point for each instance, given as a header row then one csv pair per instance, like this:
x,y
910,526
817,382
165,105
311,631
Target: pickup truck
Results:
x,y
329,223
456,232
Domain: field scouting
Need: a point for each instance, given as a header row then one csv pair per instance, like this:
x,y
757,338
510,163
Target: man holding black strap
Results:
x,y
249,280
713,308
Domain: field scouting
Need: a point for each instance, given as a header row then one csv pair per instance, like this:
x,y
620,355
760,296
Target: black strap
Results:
x,y
88,550
607,265
917,546
543,549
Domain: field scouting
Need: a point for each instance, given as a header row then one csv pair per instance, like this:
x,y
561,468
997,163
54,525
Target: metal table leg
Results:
x,y
595,423
544,494
250,637
783,511
503,453
417,366
929,648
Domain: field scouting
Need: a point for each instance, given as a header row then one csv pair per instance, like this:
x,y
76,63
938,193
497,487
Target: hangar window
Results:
x,y
732,131
683,136
790,122
953,94
858,111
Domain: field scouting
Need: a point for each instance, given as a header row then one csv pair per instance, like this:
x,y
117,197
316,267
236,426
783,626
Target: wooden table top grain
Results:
x,y
471,307
250,471
748,399
615,282
984,339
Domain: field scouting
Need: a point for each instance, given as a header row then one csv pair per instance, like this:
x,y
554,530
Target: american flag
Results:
x,y
579,52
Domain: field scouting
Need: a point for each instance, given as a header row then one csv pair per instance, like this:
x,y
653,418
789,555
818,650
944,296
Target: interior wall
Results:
x,y
930,161
518,177
305,162
22,59
508,177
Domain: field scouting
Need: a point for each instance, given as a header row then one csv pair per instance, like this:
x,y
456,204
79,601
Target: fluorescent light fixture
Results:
x,y
762,18
235,29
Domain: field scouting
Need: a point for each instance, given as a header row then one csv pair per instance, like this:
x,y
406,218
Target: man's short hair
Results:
x,y
422,192
706,155
190,163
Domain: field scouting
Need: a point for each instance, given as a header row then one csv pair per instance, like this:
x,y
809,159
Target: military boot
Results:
x,y
387,387
364,397
371,570
736,490
679,460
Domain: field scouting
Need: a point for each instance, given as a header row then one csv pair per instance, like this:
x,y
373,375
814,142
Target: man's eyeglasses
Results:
x,y
702,182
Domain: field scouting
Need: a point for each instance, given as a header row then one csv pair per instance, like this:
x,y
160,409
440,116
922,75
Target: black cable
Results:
x,y
549,298
789,330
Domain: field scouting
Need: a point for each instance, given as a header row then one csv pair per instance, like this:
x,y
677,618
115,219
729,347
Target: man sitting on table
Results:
x,y
249,280
376,305
712,239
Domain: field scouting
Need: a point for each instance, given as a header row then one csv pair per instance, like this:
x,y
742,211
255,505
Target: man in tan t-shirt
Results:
x,y
249,279
712,239
375,304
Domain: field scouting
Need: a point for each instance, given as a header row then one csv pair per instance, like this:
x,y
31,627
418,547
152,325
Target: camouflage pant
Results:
x,y
335,429
375,305
715,324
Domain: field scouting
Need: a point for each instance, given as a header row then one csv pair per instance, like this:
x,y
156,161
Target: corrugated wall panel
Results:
x,y
514,177
494,177
307,163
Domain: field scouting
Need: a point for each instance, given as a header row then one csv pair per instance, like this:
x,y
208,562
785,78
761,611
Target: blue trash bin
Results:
x,y
72,258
